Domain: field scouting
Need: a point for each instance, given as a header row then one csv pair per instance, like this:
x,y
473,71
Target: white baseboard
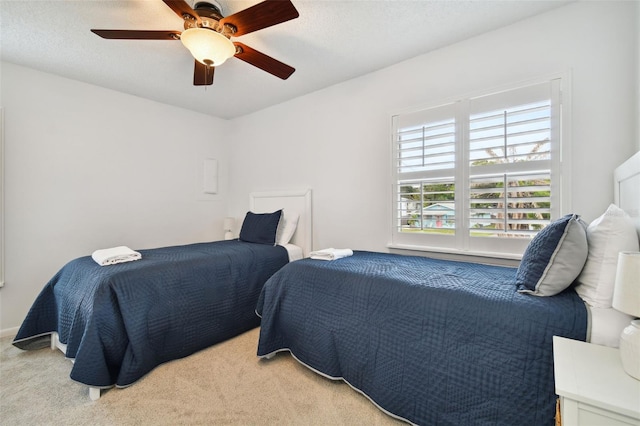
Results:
x,y
9,332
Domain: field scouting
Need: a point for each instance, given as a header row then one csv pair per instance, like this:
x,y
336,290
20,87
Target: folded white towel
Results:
x,y
330,254
114,255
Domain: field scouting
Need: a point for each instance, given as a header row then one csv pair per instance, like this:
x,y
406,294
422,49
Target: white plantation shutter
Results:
x,y
478,174
426,142
425,166
510,144
520,211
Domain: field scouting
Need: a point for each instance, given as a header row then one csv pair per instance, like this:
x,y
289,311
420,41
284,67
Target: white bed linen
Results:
x,y
295,252
607,325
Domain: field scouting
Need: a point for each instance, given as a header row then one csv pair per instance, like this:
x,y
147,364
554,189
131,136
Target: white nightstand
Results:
x,y
593,387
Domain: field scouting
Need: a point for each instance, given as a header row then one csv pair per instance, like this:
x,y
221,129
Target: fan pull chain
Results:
x,y
206,75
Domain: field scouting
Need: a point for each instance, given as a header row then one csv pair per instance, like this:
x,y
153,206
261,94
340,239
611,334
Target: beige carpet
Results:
x,y
222,385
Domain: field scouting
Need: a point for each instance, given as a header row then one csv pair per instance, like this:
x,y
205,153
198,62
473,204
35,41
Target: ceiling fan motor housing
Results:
x,y
210,16
210,8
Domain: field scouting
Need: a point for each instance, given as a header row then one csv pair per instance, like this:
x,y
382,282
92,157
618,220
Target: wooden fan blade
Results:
x,y
264,62
183,10
261,15
138,35
202,74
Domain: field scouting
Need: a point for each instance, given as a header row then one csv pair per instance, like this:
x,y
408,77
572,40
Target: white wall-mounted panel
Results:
x,y
210,176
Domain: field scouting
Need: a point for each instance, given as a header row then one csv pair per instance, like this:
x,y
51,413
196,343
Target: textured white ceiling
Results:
x,y
331,41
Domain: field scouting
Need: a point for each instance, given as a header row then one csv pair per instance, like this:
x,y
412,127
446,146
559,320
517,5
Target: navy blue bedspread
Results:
x,y
121,321
433,342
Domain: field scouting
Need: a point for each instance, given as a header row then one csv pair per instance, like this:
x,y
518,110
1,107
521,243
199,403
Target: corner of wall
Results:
x,y
637,112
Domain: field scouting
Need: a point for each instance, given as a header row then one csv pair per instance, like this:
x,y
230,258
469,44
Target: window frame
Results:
x,y
560,174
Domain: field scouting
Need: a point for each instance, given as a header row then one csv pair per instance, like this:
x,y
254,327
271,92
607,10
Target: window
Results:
x,y
480,174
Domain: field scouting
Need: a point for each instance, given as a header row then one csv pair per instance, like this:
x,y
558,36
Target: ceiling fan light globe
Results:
x,y
207,46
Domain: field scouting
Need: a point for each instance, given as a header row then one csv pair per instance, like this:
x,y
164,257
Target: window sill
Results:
x,y
503,259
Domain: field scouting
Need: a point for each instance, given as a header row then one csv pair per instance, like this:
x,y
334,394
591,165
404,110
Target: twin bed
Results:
x,y
428,341
436,342
118,322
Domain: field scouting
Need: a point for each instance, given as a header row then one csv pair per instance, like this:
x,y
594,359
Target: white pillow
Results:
x,y
608,235
286,227
607,325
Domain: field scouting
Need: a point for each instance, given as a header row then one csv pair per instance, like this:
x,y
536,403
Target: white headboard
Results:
x,y
290,201
626,190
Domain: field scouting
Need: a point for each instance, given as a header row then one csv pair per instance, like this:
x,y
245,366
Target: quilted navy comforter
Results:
x,y
432,342
121,321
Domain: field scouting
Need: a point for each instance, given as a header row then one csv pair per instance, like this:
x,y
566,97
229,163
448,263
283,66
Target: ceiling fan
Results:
x,y
207,34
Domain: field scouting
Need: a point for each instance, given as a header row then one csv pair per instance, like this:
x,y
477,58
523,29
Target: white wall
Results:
x,y
90,168
336,141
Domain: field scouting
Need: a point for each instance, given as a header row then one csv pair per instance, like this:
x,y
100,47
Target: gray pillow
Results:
x,y
554,258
